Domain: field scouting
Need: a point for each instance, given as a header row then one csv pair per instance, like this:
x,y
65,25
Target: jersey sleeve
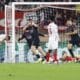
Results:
x,y
55,29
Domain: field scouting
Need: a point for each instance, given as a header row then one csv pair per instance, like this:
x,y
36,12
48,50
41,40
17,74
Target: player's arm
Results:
x,y
1,41
71,33
21,38
2,37
41,34
35,25
25,27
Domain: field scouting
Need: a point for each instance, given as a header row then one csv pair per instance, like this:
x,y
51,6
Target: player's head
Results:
x,y
30,20
7,38
32,23
69,22
52,18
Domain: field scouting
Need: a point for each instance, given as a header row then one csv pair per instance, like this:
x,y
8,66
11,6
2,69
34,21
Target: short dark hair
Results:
x,y
30,19
52,18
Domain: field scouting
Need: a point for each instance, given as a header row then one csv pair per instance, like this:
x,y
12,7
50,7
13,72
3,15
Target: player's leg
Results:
x,y
22,37
52,56
41,51
43,54
36,46
48,55
77,42
55,57
70,46
33,49
54,52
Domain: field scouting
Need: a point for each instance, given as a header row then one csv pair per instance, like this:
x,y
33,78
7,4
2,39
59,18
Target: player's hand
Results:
x,y
26,30
19,40
45,35
66,34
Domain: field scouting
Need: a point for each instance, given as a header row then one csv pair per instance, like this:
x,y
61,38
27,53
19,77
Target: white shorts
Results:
x,y
52,44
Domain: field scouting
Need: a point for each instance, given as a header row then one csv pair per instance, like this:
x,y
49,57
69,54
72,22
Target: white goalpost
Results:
x,y
9,55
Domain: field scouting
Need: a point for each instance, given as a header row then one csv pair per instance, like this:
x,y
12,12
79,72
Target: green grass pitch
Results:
x,y
70,71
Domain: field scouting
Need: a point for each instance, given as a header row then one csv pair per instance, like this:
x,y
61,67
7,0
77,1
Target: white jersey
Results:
x,y
53,36
53,31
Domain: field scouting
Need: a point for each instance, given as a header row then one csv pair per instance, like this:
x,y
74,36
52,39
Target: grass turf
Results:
x,y
69,71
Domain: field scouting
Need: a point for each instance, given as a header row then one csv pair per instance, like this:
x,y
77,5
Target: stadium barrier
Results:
x,y
23,54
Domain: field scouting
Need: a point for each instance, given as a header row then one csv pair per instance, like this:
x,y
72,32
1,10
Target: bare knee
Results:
x,y
69,46
33,49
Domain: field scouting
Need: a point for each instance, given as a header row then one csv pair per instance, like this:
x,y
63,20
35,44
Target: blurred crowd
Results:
x,y
7,2
62,16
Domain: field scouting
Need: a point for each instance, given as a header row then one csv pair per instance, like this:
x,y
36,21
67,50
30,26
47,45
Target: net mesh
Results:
x,y
41,14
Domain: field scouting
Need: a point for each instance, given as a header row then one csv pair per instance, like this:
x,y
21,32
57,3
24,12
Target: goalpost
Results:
x,y
9,54
37,13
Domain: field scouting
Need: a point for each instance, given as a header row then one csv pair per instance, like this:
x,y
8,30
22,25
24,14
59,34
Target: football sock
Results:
x,y
71,52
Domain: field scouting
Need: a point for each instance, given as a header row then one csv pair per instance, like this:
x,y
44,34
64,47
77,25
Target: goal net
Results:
x,y
40,14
